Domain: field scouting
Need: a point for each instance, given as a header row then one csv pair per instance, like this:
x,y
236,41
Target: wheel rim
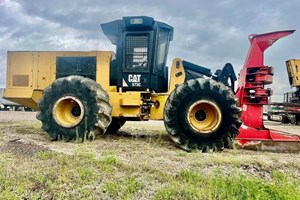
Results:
x,y
68,111
204,116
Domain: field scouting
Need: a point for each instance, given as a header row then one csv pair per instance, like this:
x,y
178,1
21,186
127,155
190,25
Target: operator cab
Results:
x,y
142,46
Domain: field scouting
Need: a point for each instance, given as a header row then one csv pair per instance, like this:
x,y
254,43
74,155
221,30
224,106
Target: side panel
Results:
x,y
20,68
27,74
126,105
45,65
177,75
103,68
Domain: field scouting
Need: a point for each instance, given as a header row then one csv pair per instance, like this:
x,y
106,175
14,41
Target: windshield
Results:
x,y
162,48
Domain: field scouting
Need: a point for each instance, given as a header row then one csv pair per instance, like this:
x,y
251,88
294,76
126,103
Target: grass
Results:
x,y
124,188
147,167
193,185
52,174
83,175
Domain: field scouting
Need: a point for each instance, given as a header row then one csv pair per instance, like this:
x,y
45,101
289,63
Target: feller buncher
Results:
x,y
80,94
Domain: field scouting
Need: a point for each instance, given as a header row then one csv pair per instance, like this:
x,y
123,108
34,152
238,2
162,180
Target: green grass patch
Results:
x,y
89,175
194,185
123,189
181,154
49,174
109,163
46,155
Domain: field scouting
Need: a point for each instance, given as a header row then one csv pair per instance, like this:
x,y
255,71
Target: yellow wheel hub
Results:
x,y
204,116
68,111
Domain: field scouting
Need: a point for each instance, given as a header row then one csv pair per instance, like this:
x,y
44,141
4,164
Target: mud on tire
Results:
x,y
202,114
74,107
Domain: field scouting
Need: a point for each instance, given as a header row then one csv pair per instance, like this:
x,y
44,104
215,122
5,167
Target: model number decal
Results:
x,y
135,79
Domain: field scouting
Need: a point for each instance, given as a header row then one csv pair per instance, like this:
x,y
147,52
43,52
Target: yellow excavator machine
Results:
x,y
80,94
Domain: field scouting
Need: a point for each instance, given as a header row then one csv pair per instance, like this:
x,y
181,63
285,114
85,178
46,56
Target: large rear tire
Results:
x,y
202,114
74,107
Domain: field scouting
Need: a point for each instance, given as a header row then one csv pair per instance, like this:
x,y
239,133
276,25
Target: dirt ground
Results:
x,y
20,134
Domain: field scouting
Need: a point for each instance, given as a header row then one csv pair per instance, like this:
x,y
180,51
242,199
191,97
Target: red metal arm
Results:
x,y
255,56
251,92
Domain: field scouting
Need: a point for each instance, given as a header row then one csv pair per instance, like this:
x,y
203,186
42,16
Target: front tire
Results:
x,y
74,107
202,114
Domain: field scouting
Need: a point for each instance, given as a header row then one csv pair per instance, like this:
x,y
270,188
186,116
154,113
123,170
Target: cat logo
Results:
x,y
135,79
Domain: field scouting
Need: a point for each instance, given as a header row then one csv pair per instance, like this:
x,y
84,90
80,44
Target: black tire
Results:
x,y
297,119
202,114
115,125
285,119
74,108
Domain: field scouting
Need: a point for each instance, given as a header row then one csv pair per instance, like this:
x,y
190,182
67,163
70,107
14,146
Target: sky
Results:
x,y
207,32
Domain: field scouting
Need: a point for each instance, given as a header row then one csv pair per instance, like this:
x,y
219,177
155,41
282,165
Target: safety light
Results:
x,y
136,21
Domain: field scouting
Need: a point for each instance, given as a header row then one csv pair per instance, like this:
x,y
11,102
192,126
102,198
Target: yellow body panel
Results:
x,y
121,104
293,69
130,102
157,111
102,70
24,97
177,75
45,64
